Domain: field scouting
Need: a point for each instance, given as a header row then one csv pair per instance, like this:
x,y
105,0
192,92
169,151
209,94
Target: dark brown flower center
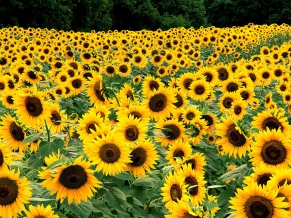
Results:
x,y
123,69
199,90
176,192
109,153
171,131
135,114
77,83
131,133
154,85
9,99
264,178
179,102
158,102
187,82
33,106
283,181
56,118
259,207
191,181
91,126
227,102
1,158
208,118
237,110
98,91
190,115
8,191
232,87
209,77
234,136
273,152
138,157
271,123
245,95
16,132
192,162
222,74
73,177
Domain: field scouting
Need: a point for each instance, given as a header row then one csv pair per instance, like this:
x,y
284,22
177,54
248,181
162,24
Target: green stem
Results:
x,y
48,132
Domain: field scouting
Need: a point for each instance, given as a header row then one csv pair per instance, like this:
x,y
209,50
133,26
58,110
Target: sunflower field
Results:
x,y
189,123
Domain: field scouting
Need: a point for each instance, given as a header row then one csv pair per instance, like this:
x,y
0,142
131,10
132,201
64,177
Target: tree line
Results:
x,y
103,15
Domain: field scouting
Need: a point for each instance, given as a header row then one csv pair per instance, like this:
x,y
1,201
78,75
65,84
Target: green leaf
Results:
x,y
56,163
210,205
224,196
233,173
32,138
42,199
46,148
144,181
83,210
99,206
216,186
116,198
125,176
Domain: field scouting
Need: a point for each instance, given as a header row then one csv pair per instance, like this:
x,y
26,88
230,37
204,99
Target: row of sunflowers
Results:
x,y
177,123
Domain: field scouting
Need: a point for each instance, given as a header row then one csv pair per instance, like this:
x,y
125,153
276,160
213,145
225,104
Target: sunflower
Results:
x,y
272,148
265,76
40,211
174,190
196,131
15,192
74,181
280,177
31,108
209,74
161,103
197,161
56,122
181,97
246,94
143,157
257,201
262,175
139,60
183,210
231,85
271,120
238,109
88,123
177,152
12,133
137,110
190,115
150,84
225,101
131,130
76,84
126,95
95,90
223,72
199,90
162,71
233,141
7,99
211,120
136,80
185,80
192,178
172,130
123,69
110,154
157,60
211,138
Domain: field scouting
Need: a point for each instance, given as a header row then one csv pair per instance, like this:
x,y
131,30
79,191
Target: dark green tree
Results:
x,y
186,12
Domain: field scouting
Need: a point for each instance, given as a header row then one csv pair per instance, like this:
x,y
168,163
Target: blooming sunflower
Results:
x,y
199,90
280,178
131,130
172,129
238,109
174,190
257,201
57,118
5,156
272,148
94,89
12,133
271,120
177,152
161,103
197,161
233,141
193,178
209,74
190,115
88,124
109,153
150,84
262,175
123,69
225,101
31,108
40,211
74,181
137,110
15,192
143,157
185,80
7,99
181,98
183,210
